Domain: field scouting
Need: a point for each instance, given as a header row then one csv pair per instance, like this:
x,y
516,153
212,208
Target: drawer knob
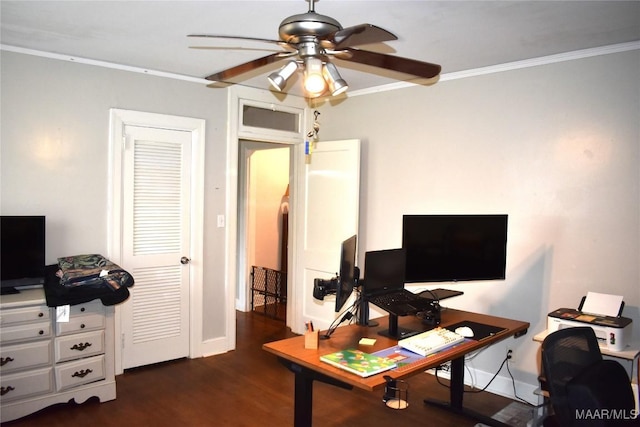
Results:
x,y
83,373
40,332
5,390
40,314
81,346
82,326
5,360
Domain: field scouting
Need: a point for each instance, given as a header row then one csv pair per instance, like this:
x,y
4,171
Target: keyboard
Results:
x,y
393,298
431,341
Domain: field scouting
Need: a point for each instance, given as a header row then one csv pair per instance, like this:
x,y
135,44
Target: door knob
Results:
x,y
184,260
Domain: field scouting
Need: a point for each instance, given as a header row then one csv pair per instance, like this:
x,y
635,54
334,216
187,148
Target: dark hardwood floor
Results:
x,y
248,387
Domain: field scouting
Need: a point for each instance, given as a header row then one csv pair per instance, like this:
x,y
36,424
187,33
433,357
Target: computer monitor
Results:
x,y
349,274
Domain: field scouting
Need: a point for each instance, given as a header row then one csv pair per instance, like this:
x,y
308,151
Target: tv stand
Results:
x,y
46,362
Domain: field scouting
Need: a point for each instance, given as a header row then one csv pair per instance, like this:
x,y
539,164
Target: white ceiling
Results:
x,y
459,35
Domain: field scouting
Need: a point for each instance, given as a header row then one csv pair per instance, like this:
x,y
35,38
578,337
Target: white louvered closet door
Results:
x,y
155,319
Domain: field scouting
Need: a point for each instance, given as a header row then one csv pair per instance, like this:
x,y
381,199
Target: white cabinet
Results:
x,y
44,361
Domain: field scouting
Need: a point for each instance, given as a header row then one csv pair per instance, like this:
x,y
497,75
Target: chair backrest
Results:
x,y
565,353
602,389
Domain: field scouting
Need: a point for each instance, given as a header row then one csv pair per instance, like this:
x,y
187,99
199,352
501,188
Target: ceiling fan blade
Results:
x,y
395,63
232,72
234,48
359,35
217,36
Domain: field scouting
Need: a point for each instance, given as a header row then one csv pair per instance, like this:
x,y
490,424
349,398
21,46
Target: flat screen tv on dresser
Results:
x,y
47,360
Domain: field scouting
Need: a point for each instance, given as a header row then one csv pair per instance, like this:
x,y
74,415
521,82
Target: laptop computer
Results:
x,y
384,283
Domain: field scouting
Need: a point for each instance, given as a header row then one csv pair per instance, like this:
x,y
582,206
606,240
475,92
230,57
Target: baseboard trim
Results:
x,y
502,386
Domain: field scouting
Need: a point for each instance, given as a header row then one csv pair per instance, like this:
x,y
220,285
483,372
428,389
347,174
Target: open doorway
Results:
x,y
263,228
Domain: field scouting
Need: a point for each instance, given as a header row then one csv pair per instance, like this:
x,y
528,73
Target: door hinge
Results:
x,y
121,340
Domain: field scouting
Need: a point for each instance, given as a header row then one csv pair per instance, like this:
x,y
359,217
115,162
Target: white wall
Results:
x,y
556,147
54,154
269,180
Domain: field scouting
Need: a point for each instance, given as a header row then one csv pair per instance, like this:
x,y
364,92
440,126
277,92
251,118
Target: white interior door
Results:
x,y
326,213
156,244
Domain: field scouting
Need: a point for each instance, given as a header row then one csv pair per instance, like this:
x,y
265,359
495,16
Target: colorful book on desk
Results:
x,y
358,362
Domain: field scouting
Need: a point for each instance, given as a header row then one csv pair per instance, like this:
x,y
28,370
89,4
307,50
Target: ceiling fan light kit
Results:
x,y
314,39
278,79
337,85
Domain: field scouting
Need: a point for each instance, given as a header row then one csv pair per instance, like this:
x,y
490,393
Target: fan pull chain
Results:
x,y
312,138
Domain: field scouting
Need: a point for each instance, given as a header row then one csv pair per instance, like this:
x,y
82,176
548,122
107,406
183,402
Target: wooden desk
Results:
x,y
307,367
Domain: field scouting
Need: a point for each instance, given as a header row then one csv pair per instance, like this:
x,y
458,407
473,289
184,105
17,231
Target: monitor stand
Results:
x,y
396,332
363,313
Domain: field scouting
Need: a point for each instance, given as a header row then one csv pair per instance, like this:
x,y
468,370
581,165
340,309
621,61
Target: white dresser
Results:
x,y
43,361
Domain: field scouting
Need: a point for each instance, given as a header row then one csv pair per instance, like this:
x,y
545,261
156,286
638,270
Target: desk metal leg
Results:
x,y
456,393
303,400
303,394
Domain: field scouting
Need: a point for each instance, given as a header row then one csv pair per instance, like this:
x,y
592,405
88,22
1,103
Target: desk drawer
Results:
x,y
20,356
79,345
26,332
83,371
25,384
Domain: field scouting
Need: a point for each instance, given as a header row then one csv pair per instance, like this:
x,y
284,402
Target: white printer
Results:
x,y
613,332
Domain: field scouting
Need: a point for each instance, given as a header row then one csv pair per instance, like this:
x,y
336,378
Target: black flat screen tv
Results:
x,y
349,274
451,248
22,252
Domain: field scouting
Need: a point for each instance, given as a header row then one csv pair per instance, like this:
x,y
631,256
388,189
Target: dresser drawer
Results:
x,y
82,323
83,371
92,307
26,332
21,356
26,384
79,345
24,314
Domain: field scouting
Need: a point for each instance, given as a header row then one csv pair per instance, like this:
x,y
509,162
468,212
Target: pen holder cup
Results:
x,y
311,340
396,394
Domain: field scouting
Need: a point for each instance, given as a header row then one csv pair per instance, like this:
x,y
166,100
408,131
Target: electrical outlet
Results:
x,y
511,355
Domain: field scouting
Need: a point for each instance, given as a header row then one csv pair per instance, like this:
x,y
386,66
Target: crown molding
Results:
x,y
510,66
492,69
104,64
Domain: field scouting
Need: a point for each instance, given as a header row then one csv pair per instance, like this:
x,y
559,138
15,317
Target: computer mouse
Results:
x,y
465,331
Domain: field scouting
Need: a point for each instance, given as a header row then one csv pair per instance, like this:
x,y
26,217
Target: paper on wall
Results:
x,y
602,304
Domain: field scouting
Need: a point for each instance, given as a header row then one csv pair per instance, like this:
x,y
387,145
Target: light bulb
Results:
x,y
314,82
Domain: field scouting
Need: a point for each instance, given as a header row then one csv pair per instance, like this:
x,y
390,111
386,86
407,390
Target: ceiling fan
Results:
x,y
309,41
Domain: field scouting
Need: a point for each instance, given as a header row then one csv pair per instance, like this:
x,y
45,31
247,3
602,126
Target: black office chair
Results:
x,y
584,389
